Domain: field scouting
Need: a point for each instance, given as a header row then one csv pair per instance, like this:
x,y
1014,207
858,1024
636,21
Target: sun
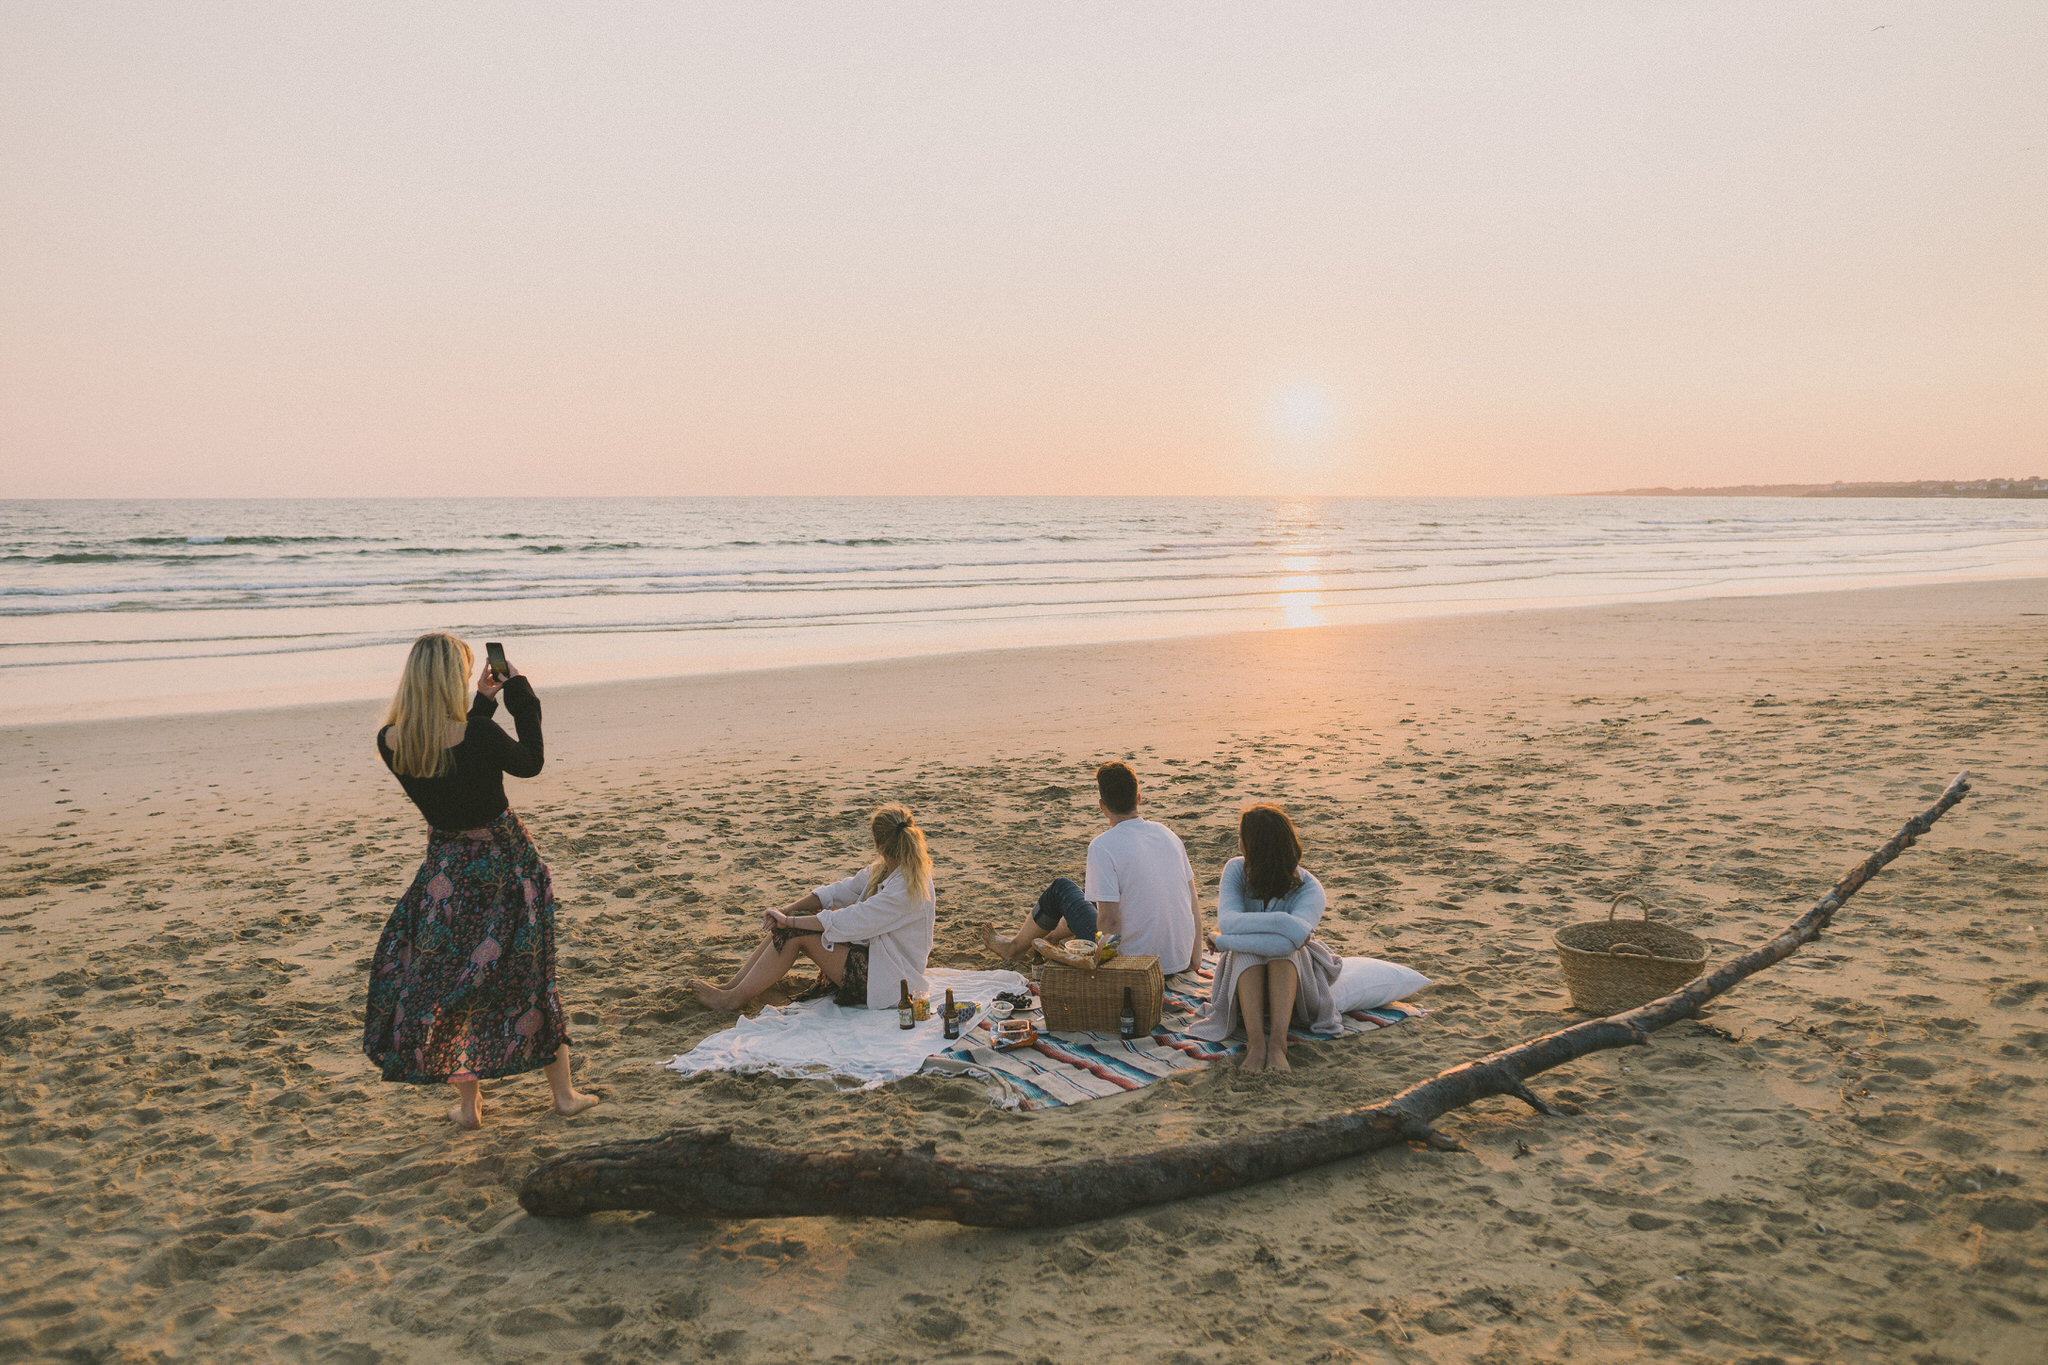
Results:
x,y
1303,413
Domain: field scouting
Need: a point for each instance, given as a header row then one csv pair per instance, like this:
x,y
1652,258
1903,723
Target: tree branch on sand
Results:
x,y
705,1173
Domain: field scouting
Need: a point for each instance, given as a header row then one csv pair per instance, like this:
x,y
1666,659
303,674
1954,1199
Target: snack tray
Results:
x,y
1001,1043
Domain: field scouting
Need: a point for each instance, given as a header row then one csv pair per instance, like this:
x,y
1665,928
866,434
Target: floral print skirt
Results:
x,y
462,986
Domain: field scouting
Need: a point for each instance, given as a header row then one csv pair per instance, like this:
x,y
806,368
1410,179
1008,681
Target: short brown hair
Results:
x,y
1272,851
1119,787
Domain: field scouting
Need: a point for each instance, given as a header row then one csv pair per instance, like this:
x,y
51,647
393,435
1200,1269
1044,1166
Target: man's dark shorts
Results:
x,y
1063,901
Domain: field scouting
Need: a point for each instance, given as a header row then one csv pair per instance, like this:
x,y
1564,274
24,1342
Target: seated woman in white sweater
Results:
x,y
1274,970
868,934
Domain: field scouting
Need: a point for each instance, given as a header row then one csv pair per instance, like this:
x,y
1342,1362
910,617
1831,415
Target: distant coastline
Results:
x,y
2033,486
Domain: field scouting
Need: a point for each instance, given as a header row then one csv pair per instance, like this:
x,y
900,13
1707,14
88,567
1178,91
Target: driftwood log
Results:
x,y
707,1173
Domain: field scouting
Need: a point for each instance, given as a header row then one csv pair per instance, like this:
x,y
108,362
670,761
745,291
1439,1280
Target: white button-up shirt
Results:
x,y
897,927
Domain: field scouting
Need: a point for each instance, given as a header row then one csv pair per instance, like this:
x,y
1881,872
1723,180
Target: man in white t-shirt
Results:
x,y
1140,887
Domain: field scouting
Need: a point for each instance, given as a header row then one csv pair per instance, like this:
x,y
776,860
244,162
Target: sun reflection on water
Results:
x,y
1300,590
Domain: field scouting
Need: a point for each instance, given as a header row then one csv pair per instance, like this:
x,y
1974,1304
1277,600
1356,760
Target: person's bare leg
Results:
x,y
831,962
702,984
568,1100
766,945
1281,984
1251,1003
1008,946
469,1110
761,971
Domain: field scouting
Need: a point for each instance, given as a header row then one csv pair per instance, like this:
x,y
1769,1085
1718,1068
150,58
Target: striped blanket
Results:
x,y
1067,1068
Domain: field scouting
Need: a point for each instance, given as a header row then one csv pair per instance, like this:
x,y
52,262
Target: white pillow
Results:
x,y
1366,983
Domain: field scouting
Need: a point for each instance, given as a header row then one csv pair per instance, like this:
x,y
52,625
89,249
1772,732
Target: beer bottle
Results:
x,y
951,1017
905,1018
1127,1022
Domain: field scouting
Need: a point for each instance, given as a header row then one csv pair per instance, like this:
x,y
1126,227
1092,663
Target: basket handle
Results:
x,y
1628,950
1628,896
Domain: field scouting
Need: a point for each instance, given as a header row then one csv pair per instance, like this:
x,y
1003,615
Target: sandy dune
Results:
x,y
1846,1162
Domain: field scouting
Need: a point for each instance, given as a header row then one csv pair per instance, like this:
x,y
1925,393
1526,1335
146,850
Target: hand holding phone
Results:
x,y
494,655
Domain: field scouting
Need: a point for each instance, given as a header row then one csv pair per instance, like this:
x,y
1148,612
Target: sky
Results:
x,y
1343,248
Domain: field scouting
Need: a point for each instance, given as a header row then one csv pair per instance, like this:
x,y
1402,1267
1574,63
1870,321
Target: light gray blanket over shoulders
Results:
x,y
1270,928
1255,932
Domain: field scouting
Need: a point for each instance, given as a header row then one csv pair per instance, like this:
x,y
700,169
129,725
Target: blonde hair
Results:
x,y
897,836
433,690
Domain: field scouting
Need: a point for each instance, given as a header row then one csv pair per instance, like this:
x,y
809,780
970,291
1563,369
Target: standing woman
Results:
x,y
1274,970
462,988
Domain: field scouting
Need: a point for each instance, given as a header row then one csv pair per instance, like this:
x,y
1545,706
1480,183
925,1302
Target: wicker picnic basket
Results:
x,y
1092,998
1615,965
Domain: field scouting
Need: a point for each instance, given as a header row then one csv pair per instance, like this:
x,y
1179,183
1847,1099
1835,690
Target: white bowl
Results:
x,y
1000,1009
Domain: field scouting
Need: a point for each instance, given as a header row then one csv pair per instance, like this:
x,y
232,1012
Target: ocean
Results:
x,y
116,607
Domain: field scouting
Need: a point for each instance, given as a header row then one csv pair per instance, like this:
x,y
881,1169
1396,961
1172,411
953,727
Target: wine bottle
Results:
x,y
905,1016
951,1018
1127,1022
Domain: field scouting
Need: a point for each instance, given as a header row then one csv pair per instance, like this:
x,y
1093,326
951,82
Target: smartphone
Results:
x,y
494,655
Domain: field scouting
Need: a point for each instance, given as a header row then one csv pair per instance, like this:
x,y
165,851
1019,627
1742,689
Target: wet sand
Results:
x,y
1843,1162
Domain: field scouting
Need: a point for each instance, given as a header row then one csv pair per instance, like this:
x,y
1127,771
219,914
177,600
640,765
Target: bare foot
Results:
x,y
578,1102
711,997
1253,1060
997,943
1276,1060
462,1116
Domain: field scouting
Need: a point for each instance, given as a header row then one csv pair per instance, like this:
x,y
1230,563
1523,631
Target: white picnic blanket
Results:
x,y
823,1040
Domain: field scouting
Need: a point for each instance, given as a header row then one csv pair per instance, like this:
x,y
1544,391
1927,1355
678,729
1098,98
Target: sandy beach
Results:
x,y
1844,1161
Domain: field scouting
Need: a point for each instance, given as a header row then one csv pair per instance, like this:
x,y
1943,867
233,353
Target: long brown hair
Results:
x,y
1272,851
897,836
433,690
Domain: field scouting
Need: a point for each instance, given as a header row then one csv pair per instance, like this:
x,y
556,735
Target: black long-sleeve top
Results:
x,y
473,794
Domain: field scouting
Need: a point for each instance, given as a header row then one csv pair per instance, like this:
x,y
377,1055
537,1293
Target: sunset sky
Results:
x,y
1046,248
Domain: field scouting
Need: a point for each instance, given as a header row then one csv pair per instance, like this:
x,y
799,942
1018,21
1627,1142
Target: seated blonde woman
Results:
x,y
868,933
1274,971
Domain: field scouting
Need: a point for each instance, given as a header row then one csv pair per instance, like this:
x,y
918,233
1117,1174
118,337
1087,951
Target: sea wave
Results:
x,y
335,570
